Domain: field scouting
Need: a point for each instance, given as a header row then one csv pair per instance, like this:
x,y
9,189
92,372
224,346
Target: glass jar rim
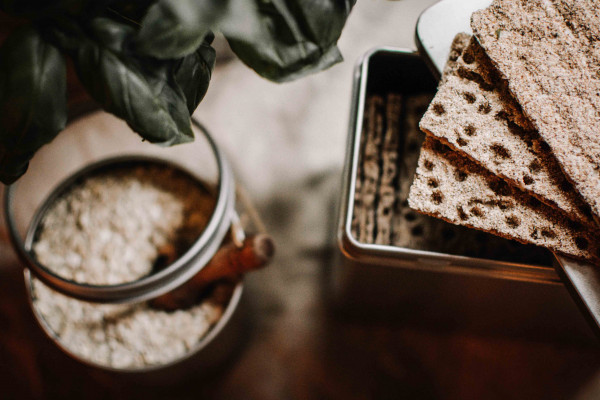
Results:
x,y
153,285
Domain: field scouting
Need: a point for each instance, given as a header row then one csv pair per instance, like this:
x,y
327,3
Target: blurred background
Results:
x,y
287,143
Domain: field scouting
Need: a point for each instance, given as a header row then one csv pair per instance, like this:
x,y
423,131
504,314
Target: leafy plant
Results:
x,y
146,61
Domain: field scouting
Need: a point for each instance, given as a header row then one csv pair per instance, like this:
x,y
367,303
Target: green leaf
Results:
x,y
141,91
33,99
290,38
193,73
176,28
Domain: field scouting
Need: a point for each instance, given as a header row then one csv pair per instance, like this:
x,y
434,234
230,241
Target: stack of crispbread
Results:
x,y
513,133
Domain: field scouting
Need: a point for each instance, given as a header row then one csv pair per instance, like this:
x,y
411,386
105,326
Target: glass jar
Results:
x,y
98,141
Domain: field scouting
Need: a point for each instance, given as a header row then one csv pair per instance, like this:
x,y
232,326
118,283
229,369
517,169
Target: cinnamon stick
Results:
x,y
229,262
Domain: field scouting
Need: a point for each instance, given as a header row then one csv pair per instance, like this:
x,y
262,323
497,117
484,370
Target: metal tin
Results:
x,y
433,287
211,168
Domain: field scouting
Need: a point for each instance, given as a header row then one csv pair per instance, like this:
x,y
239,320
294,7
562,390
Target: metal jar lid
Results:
x,y
154,284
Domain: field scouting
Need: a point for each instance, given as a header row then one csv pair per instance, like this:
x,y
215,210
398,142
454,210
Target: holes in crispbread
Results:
x,y
528,180
460,176
548,234
473,76
501,115
469,97
433,183
535,166
503,204
438,109
428,165
437,197
476,211
513,221
484,108
500,151
470,130
461,142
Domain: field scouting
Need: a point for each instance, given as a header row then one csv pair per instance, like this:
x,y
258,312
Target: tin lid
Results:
x,y
150,286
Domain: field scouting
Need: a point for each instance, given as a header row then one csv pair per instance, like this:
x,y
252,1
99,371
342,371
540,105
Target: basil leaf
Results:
x,y
141,91
33,99
193,73
291,37
176,28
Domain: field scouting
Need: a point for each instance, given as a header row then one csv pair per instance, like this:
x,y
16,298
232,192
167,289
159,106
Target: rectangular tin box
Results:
x,y
437,290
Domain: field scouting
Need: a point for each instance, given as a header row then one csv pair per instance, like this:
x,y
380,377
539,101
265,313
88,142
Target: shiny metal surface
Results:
x,y
435,27
436,289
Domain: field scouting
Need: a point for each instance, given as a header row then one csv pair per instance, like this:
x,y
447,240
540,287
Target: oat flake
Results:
x,y
107,230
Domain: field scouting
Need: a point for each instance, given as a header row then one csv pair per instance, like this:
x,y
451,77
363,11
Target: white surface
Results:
x,y
441,22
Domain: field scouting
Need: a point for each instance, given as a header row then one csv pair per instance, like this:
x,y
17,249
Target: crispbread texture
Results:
x,y
408,228
459,44
401,143
548,52
368,177
458,190
474,113
389,169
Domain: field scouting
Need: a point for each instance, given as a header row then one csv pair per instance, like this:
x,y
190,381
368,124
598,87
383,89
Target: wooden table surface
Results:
x,y
294,346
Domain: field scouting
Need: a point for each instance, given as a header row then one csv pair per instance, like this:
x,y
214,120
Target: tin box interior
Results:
x,y
436,288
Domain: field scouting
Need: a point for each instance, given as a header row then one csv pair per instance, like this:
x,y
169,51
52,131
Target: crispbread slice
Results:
x,y
474,113
458,190
549,51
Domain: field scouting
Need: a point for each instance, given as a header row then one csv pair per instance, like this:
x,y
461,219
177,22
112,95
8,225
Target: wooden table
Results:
x,y
295,348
